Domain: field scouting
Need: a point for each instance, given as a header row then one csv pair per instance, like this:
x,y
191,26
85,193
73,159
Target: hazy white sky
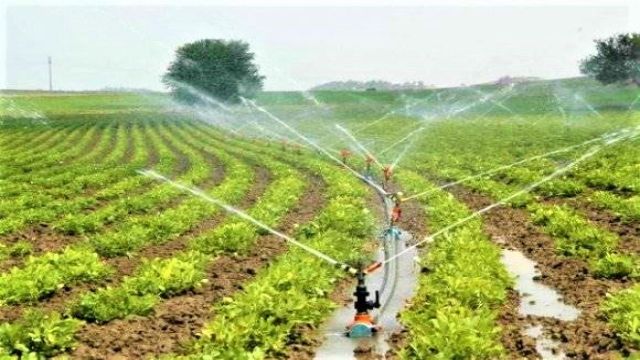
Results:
x,y
298,47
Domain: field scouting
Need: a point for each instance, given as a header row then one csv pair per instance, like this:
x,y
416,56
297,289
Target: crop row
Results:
x,y
22,162
622,311
293,290
577,237
158,278
85,174
627,208
461,286
121,200
45,170
34,290
165,276
39,206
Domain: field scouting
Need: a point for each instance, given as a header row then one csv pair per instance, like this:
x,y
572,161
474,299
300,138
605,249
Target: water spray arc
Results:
x,y
363,323
208,198
358,144
590,153
634,102
311,143
587,105
508,166
403,139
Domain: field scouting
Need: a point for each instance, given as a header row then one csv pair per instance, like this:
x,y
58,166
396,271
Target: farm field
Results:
x,y
507,189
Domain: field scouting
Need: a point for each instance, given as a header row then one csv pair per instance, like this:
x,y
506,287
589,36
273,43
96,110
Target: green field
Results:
x,y
98,261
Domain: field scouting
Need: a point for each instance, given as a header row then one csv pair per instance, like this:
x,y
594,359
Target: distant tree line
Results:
x,y
354,85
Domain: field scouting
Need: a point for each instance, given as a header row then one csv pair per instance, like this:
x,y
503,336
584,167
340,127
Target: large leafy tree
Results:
x,y
215,68
617,60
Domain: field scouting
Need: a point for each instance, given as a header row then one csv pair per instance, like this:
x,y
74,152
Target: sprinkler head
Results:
x,y
368,159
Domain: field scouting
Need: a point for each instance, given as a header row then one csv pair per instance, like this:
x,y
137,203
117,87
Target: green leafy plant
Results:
x,y
41,276
38,335
623,313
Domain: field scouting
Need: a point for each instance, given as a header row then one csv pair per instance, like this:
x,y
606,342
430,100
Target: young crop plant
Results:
x,y
577,237
37,336
622,310
293,290
44,275
627,208
454,313
139,293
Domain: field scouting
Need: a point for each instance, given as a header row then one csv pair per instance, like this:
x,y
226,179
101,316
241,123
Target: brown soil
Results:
x,y
518,345
128,153
178,320
88,149
41,237
183,163
127,265
45,239
588,337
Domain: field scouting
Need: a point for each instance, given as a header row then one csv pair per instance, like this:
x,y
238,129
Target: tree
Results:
x,y
218,68
617,60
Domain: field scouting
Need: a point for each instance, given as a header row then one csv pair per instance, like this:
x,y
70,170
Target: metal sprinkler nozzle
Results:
x,y
363,324
363,304
344,153
396,211
387,172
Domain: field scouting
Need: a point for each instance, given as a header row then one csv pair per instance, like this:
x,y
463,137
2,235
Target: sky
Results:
x,y
296,47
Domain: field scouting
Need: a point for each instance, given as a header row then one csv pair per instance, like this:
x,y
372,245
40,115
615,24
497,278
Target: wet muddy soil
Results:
x,y
587,337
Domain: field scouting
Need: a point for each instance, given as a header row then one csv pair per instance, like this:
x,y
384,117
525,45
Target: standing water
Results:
x,y
536,298
546,347
403,273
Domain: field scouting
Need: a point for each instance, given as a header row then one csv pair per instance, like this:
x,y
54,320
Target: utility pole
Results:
x,y
50,78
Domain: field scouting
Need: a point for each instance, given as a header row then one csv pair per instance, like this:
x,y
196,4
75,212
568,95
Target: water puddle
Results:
x,y
403,274
536,298
547,348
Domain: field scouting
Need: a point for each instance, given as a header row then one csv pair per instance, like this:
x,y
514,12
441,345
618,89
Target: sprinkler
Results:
x,y
345,154
393,233
387,173
368,160
363,324
284,145
396,212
